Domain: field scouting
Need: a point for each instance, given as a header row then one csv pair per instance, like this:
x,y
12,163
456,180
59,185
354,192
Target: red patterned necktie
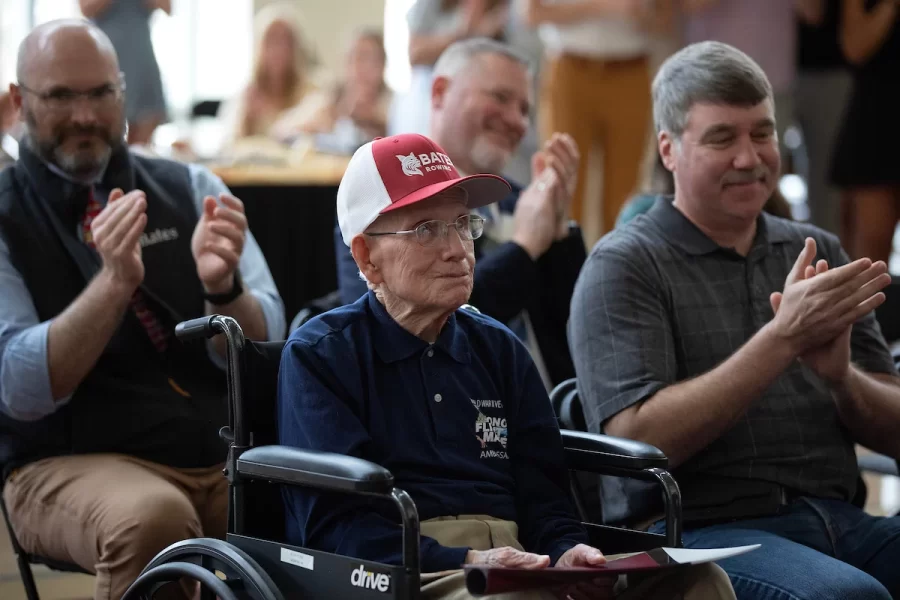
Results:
x,y
151,324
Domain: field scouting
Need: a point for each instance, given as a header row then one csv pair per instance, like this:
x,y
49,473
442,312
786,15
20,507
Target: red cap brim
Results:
x,y
481,189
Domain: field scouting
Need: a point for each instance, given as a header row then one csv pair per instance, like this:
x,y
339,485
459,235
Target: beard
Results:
x,y
487,156
84,163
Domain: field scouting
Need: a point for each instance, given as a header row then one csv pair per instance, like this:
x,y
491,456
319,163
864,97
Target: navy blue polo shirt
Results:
x,y
464,425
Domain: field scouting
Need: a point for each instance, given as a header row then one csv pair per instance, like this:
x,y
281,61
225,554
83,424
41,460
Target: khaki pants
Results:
x,y
701,582
111,514
606,107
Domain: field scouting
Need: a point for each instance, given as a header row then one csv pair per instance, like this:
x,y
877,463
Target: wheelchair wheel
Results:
x,y
222,570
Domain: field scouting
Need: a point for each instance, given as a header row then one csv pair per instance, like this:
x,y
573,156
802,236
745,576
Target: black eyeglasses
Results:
x,y
429,233
62,99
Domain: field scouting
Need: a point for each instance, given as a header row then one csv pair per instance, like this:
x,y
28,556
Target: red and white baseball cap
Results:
x,y
393,172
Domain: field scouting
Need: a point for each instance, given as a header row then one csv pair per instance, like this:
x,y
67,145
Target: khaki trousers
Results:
x,y
605,106
701,582
111,514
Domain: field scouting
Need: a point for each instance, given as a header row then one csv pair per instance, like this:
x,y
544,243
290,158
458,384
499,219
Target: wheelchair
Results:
x,y
254,562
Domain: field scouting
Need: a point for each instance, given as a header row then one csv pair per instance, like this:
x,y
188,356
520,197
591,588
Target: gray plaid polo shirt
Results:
x,y
659,302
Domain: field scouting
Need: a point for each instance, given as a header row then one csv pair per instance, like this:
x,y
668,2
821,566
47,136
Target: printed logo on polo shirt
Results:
x,y
491,431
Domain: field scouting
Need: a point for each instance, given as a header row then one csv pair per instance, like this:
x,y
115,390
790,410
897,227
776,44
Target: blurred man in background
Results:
x,y
531,253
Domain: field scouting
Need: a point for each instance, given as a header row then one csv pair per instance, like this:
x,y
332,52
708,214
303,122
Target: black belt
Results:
x,y
747,500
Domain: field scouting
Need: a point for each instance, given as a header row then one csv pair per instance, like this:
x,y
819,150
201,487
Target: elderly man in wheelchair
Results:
x,y
446,399
408,397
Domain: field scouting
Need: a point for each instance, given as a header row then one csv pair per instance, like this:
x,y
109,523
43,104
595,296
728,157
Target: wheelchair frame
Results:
x,y
264,569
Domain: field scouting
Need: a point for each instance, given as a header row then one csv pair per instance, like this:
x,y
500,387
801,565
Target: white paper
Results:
x,y
702,555
297,558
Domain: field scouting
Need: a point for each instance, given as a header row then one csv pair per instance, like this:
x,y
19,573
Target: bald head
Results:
x,y
70,96
57,45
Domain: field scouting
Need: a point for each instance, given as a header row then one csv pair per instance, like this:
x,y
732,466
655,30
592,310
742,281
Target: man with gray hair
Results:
x,y
530,255
745,347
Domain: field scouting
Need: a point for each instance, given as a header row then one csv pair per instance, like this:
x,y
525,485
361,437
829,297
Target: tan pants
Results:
x,y
606,107
111,514
701,582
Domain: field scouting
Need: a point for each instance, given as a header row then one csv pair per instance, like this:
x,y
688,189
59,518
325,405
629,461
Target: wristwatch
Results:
x,y
228,297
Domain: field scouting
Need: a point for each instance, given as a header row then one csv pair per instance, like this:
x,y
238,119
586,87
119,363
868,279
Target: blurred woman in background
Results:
x,y
280,95
357,109
865,158
127,24
596,87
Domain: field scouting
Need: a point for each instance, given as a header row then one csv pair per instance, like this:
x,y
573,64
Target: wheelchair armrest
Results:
x,y
591,452
878,463
315,469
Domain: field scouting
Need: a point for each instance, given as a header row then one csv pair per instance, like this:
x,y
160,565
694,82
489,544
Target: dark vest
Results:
x,y
135,400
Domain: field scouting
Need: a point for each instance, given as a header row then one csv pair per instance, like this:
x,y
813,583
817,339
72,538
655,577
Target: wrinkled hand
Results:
x,y
507,557
116,234
581,555
585,556
218,242
818,307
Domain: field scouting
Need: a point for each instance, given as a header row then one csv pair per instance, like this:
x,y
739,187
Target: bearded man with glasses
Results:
x,y
109,443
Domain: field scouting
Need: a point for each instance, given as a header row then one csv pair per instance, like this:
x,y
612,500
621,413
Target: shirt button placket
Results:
x,y
443,424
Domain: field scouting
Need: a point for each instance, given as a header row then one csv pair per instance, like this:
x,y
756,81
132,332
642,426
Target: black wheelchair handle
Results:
x,y
196,329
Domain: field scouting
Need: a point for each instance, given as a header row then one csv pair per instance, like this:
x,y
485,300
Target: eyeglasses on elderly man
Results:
x,y
429,233
449,400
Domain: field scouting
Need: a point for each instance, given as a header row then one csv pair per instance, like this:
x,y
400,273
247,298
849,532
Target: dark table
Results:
x,y
290,208
294,226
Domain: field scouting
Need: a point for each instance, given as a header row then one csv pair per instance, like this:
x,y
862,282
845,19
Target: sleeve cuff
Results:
x,y
25,376
273,314
517,260
560,549
572,244
438,558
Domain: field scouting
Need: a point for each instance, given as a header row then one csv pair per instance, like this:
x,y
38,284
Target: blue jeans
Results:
x,y
815,550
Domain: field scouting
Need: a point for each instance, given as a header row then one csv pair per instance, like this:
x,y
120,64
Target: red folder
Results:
x,y
482,580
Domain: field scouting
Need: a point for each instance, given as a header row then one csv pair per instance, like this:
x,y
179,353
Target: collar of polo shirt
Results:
x,y
681,232
393,343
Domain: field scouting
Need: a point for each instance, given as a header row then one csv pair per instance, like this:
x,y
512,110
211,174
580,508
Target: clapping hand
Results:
x,y
218,242
560,153
824,303
116,234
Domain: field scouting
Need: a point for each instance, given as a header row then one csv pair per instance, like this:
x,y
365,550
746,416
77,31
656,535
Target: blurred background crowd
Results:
x,y
274,83
274,96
